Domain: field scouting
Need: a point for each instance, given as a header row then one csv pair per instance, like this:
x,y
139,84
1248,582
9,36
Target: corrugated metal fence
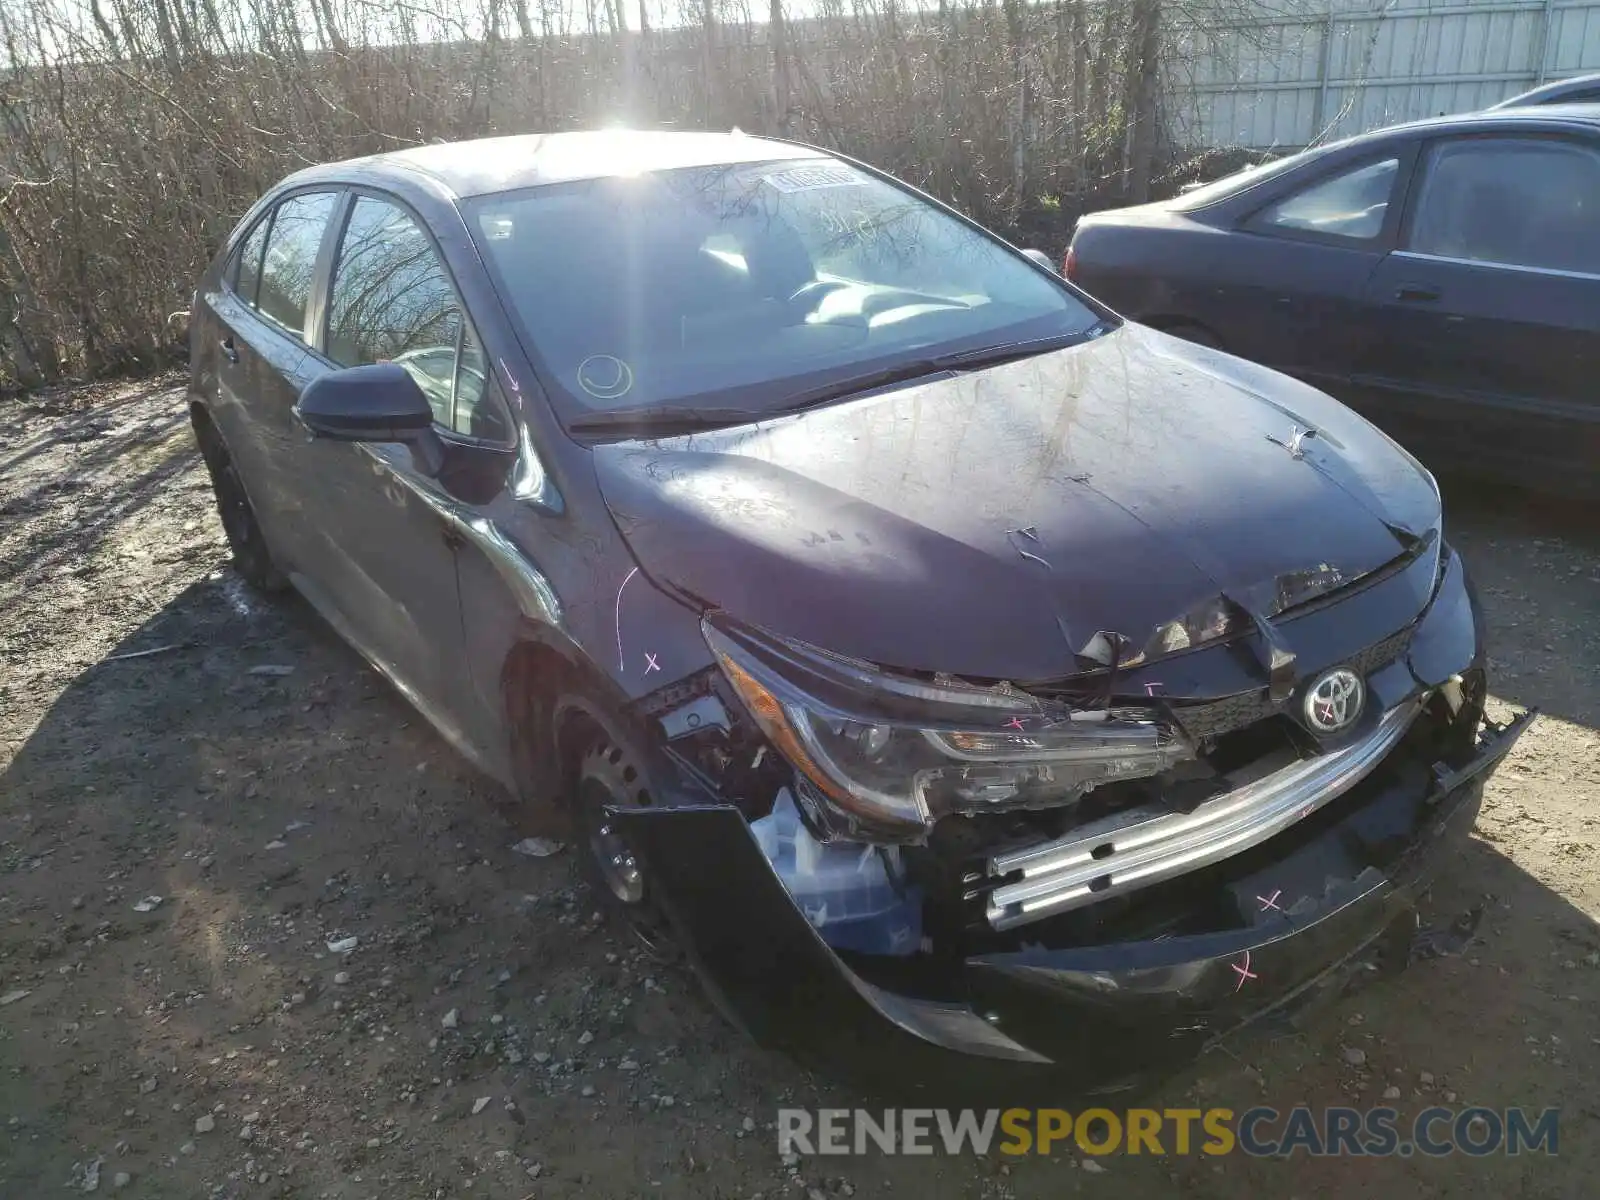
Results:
x,y
1288,79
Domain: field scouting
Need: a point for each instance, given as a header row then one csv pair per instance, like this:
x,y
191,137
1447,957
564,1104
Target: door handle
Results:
x,y
229,350
1416,293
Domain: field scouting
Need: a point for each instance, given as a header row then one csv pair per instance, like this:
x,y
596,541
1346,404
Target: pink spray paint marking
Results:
x,y
1270,902
1244,971
650,663
511,380
1014,723
1150,688
620,665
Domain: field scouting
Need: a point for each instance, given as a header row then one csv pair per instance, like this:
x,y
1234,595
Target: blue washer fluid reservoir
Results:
x,y
844,888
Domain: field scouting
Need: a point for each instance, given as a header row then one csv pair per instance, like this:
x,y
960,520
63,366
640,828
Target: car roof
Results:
x,y
1545,114
503,164
1549,93
1540,117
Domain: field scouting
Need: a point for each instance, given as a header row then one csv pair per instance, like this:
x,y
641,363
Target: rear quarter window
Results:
x,y
244,272
1352,204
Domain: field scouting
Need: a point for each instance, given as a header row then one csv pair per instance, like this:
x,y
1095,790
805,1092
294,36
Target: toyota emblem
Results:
x,y
1334,701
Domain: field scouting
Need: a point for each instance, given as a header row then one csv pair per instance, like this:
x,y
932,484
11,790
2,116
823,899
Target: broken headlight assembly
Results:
x,y
888,755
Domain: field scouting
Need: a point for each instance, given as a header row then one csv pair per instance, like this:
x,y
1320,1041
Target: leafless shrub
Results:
x,y
136,132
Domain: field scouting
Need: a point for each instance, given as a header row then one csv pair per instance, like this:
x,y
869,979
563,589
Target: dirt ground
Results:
x,y
489,1036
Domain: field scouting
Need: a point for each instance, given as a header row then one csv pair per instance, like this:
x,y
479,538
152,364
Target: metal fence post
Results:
x,y
1319,107
1542,48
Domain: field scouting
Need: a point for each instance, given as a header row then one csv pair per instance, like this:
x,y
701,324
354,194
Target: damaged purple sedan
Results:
x,y
965,676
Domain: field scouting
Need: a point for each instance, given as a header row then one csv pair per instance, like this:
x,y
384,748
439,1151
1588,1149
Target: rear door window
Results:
x,y
1352,204
392,301
290,262
1522,202
246,272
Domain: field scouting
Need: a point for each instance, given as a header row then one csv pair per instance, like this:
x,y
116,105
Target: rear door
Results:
x,y
262,355
1302,262
1488,350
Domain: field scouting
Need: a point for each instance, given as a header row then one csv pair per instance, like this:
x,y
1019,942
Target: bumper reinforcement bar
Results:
x,y
1131,850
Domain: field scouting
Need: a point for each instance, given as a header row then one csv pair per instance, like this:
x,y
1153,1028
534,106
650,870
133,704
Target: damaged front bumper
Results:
x,y
1115,949
1093,1017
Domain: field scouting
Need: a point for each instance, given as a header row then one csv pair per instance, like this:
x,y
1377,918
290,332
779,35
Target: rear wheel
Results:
x,y
251,558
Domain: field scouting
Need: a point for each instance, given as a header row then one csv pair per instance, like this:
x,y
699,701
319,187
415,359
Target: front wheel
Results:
x,y
608,777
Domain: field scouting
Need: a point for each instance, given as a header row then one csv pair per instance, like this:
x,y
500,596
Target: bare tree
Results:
x,y
135,133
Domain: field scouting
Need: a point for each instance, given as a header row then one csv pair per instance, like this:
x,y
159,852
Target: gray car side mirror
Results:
x,y
379,402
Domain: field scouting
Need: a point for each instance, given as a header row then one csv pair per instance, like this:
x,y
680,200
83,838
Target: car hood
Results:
x,y
990,524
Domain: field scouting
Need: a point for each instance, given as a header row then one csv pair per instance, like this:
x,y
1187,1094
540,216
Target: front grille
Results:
x,y
1211,719
1380,654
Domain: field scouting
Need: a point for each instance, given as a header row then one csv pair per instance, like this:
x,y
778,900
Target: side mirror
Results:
x,y
1043,259
379,402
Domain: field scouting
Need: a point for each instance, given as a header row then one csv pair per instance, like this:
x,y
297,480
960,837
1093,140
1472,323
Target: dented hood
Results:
x,y
989,524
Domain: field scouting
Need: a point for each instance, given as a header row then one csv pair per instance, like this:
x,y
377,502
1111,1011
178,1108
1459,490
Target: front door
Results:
x,y
382,560
1487,348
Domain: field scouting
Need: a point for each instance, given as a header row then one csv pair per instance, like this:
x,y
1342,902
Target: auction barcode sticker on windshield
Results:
x,y
805,179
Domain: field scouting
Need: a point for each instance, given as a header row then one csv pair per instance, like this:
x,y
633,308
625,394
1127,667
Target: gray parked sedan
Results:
x,y
953,664
1442,277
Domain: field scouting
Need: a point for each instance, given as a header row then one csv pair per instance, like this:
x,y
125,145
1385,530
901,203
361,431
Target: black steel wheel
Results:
x,y
607,777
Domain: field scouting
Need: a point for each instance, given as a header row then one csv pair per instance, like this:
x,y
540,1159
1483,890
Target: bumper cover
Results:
x,y
1086,1019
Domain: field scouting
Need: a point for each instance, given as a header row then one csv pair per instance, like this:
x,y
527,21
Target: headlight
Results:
x,y
890,754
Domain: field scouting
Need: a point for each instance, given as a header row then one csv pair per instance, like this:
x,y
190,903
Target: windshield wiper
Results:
x,y
663,419
668,420
993,356
938,364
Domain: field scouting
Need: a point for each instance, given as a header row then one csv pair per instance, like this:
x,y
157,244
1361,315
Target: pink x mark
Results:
x,y
1014,723
650,663
1150,688
1244,972
1271,901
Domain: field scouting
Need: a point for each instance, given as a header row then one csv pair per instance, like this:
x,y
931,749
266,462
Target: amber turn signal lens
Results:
x,y
768,713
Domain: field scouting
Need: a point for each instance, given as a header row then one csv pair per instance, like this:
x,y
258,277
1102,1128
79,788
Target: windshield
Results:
x,y
739,285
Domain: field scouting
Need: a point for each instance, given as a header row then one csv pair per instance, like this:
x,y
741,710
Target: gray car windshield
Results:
x,y
737,286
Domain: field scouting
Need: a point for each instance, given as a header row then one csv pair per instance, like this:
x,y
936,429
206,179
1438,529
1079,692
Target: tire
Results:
x,y
603,767
251,557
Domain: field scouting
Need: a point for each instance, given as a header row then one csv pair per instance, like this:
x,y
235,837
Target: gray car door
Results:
x,y
1302,264
263,357
381,559
1486,342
